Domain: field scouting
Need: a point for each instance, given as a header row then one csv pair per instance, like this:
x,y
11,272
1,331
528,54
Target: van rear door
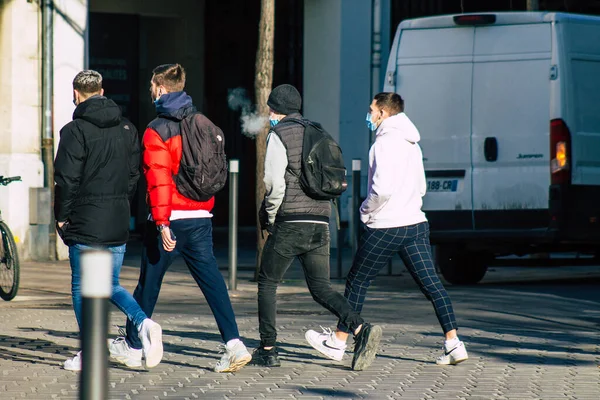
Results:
x,y
510,126
434,77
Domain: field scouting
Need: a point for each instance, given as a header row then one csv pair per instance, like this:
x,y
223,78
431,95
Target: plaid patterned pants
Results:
x,y
375,249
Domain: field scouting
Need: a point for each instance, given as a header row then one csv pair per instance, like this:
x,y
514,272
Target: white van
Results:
x,y
508,107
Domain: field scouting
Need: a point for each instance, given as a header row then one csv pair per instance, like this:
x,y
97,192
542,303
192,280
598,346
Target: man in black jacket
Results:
x,y
96,171
299,228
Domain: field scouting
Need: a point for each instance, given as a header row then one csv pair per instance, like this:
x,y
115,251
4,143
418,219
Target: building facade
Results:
x,y
334,51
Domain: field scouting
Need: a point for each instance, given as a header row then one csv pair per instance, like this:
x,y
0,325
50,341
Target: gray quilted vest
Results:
x,y
297,206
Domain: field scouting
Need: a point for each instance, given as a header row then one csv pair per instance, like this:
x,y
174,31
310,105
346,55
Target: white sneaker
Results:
x,y
235,357
73,364
456,355
121,352
325,343
151,336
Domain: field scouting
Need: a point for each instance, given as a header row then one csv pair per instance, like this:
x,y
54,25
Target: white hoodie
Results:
x,y
396,176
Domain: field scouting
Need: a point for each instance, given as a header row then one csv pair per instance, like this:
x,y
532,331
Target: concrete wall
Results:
x,y
20,108
322,40
337,77
70,25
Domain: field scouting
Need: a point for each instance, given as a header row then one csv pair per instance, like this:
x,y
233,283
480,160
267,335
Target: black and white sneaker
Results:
x,y
366,346
456,355
266,358
325,343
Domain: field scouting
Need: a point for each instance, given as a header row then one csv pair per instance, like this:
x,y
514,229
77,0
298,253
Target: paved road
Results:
x,y
531,334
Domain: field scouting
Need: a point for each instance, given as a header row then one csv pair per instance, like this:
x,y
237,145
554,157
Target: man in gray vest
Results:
x,y
299,227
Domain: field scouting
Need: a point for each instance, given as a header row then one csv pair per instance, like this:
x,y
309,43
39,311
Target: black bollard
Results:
x,y
234,169
355,233
96,289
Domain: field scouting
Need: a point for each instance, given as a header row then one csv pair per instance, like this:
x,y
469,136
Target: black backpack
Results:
x,y
203,166
322,172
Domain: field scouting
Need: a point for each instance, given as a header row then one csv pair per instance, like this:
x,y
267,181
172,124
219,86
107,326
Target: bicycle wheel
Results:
x,y
9,264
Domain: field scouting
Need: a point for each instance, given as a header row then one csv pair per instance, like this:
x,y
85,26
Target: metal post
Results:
x,y
376,48
356,167
234,169
96,289
340,239
86,38
47,98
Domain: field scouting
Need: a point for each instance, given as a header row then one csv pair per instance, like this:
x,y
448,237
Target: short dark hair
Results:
x,y
88,82
392,102
171,76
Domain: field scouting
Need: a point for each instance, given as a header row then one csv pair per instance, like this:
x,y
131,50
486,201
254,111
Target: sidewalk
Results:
x,y
531,334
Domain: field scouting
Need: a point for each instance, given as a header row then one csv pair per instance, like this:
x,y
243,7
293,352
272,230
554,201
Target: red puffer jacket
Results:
x,y
161,157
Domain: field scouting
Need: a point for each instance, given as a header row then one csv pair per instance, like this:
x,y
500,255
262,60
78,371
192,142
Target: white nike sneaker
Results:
x,y
325,343
121,352
73,364
457,355
151,336
235,357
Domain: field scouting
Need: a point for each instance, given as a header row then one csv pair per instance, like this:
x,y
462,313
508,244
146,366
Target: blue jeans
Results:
x,y
120,297
195,245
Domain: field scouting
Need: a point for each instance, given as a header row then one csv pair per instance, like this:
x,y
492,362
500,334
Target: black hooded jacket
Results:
x,y
96,172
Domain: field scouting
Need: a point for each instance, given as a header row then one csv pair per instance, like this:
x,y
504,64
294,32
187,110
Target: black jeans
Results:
x,y
195,245
310,243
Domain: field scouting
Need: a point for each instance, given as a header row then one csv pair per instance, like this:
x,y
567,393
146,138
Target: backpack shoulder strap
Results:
x,y
302,121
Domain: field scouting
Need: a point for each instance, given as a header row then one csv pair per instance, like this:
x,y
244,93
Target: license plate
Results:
x,y
442,185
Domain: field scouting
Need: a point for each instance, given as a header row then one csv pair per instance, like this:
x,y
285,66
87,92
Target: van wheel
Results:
x,y
462,267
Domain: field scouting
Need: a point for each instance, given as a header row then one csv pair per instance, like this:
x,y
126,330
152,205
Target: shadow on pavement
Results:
x,y
18,349
329,392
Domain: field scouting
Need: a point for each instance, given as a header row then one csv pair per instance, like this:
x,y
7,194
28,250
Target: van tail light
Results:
x,y
475,19
560,152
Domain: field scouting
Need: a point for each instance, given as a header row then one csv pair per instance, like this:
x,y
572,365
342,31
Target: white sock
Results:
x,y
231,344
338,343
452,343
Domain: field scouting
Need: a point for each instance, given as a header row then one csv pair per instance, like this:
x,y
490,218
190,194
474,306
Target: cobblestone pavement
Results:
x,y
531,334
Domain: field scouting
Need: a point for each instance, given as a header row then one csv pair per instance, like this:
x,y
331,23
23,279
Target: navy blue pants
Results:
x,y
375,249
195,245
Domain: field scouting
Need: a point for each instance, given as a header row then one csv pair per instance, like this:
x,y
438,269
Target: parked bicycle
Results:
x,y
9,259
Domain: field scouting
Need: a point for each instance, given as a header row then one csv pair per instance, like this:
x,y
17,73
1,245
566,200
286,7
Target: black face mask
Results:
x,y
75,102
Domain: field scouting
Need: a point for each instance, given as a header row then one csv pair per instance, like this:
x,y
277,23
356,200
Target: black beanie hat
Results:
x,y
285,99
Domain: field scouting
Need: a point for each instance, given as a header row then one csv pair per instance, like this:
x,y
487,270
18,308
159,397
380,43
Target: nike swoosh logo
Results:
x,y
329,347
449,352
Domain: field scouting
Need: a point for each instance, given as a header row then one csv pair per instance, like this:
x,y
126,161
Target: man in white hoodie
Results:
x,y
394,221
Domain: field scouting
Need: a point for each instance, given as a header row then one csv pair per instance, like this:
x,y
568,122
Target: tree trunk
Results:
x,y
533,5
262,86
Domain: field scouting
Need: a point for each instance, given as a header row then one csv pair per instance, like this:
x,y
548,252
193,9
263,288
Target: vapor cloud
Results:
x,y
252,122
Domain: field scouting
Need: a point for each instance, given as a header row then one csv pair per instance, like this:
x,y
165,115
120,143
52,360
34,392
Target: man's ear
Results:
x,y
101,92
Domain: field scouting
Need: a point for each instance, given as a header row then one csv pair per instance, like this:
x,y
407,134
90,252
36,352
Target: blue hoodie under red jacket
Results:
x,y
162,155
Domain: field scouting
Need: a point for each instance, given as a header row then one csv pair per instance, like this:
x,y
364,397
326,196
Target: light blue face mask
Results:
x,y
370,124
273,122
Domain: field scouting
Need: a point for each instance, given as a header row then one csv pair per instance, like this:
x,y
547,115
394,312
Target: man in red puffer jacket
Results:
x,y
177,225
